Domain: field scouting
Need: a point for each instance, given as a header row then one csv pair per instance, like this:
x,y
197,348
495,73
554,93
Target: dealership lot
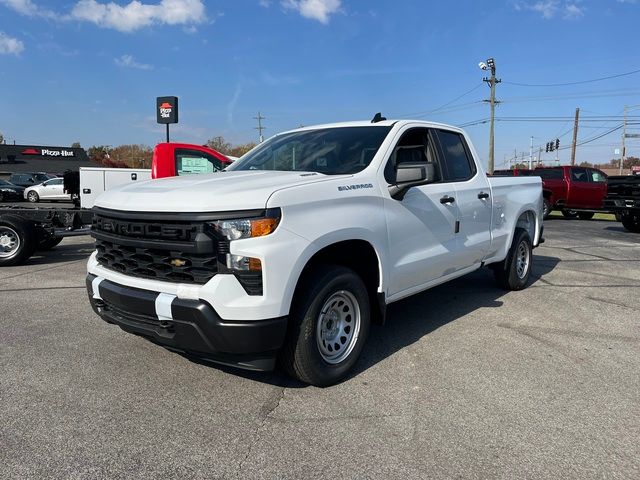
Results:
x,y
464,380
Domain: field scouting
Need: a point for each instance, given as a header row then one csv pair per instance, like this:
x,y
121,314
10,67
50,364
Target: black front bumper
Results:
x,y
194,329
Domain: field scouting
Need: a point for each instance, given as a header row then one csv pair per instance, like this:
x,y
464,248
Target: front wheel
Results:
x,y
33,197
514,271
328,326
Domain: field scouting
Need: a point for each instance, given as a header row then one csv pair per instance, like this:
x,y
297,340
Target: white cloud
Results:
x,y
130,62
319,10
137,15
10,45
550,8
27,7
572,10
125,18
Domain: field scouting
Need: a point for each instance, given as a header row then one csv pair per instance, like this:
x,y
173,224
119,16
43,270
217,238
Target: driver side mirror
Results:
x,y
411,174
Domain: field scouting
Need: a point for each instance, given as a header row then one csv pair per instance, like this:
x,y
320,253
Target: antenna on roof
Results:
x,y
378,118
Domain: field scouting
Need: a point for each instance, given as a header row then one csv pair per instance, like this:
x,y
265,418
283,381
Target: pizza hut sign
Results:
x,y
167,109
46,152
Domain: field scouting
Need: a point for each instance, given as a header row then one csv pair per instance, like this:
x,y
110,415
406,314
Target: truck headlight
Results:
x,y
248,227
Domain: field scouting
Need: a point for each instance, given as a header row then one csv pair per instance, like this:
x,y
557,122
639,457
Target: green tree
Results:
x,y
586,164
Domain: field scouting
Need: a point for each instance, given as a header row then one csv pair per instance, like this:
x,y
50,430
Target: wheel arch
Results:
x,y
358,254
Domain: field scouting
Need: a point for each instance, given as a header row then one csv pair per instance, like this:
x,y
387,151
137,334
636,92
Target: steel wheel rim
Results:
x,y
522,260
338,327
545,209
9,242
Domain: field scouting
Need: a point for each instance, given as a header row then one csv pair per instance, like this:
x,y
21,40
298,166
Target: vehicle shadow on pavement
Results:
x,y
411,319
617,229
62,253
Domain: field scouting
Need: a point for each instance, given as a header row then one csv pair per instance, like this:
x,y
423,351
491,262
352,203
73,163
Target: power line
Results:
x,y
573,83
419,114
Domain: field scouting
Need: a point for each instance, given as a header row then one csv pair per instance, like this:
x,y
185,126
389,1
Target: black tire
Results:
x,y
306,354
1,197
546,208
569,213
585,215
18,240
631,223
510,274
48,243
33,196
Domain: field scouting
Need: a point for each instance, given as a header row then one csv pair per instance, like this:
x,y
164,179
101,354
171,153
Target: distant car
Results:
x,y
9,191
29,179
50,190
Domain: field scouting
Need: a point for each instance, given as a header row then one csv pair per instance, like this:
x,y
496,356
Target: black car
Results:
x,y
29,179
10,192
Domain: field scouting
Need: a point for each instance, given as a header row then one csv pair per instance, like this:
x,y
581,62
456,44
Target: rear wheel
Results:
x,y
33,197
17,240
48,243
328,326
585,215
546,208
513,272
631,223
569,213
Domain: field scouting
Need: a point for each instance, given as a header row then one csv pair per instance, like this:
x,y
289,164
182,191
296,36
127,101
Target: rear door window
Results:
x,y
192,161
549,173
458,165
579,175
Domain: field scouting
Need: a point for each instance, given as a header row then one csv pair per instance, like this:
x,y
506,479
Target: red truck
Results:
x,y
575,191
171,159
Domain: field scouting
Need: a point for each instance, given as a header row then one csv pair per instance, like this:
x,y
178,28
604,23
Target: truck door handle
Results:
x,y
447,199
483,195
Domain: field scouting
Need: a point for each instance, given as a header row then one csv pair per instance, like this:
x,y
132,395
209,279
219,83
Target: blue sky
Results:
x,y
89,70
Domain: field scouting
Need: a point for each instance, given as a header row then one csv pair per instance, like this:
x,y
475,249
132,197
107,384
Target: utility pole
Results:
x,y
260,128
539,155
575,137
531,153
515,157
624,134
491,81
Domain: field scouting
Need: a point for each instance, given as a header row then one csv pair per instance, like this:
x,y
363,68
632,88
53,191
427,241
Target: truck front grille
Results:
x,y
158,264
181,248
185,251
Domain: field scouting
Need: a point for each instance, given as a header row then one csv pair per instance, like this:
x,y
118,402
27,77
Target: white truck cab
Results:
x,y
300,244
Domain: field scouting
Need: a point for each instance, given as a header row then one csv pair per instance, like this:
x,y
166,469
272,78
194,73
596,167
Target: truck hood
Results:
x,y
222,191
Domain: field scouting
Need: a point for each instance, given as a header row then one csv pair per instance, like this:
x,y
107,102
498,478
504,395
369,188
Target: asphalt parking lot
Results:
x,y
463,381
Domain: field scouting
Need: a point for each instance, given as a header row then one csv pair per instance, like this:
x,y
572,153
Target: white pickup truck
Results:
x,y
300,244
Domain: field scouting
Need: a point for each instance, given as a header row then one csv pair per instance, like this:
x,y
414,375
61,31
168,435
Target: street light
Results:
x,y
490,64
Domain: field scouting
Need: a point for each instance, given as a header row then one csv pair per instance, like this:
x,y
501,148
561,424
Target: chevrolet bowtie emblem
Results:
x,y
177,262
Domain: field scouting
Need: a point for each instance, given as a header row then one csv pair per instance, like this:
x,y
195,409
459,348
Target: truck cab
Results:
x,y
576,191
173,159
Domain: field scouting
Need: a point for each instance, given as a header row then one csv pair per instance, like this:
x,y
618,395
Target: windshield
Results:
x,y
5,183
331,151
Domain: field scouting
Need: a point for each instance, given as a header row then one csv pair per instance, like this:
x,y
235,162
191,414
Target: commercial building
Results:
x,y
37,158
